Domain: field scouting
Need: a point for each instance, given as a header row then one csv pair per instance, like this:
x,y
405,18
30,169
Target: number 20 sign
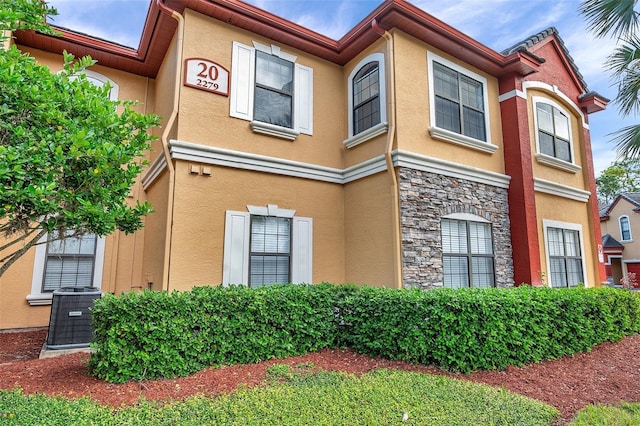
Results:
x,y
206,75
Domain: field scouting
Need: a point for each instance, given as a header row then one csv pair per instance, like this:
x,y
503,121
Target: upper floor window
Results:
x,y
274,90
564,253
467,254
459,102
553,132
459,105
271,90
367,100
553,135
625,228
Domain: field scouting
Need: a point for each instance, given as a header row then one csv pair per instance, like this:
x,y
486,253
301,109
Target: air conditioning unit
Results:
x,y
70,320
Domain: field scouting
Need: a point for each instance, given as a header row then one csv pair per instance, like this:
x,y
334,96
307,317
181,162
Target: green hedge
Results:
x,y
156,334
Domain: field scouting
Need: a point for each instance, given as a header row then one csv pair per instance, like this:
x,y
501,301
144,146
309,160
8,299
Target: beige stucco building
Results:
x,y
620,222
405,154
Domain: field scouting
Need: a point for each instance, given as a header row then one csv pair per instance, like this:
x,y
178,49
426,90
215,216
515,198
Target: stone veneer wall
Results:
x,y
424,199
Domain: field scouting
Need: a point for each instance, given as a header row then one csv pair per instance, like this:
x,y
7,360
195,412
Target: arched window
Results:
x,y
367,100
625,228
366,97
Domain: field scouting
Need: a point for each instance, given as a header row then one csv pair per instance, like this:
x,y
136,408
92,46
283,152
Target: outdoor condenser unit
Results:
x,y
70,321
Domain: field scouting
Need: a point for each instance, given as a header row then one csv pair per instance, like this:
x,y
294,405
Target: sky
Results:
x,y
498,24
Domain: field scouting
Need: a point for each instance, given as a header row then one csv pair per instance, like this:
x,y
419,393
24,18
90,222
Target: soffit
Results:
x,y
159,29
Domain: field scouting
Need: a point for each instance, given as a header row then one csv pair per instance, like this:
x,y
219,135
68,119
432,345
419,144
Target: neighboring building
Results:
x,y
405,154
619,221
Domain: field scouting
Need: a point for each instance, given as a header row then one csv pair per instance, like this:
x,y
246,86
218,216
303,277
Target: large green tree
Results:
x,y
68,154
619,19
621,176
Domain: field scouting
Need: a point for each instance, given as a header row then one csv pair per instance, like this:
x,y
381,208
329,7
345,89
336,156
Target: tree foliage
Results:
x,y
68,154
619,19
621,176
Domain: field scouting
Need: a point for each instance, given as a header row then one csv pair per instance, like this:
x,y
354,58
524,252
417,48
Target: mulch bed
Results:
x,y
609,374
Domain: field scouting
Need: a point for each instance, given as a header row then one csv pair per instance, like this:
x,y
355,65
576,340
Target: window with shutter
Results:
x,y
267,245
271,91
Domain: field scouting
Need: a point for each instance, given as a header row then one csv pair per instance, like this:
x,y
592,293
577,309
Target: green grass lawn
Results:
x,y
382,397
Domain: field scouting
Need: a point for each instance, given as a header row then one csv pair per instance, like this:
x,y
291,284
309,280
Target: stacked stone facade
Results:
x,y
425,198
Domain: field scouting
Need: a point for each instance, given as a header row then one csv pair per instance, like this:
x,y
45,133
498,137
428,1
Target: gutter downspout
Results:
x,y
165,144
391,137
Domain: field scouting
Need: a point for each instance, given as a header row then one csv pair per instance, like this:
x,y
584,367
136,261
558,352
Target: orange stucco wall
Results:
x,y
551,207
413,107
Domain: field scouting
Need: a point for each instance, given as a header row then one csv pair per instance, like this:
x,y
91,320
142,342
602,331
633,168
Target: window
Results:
x,y
267,245
553,132
367,100
459,102
271,91
467,254
270,255
273,102
625,228
70,262
564,253
458,105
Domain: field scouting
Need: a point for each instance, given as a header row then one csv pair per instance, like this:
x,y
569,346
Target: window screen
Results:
x,y
270,256
553,132
459,103
565,257
366,98
70,262
625,229
274,90
467,254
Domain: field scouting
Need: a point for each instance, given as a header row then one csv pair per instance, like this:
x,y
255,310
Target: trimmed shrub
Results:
x,y
155,334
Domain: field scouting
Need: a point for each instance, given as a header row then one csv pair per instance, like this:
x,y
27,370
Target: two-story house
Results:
x,y
619,221
405,154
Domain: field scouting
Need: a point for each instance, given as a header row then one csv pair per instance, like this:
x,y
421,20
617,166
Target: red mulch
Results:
x,y
609,374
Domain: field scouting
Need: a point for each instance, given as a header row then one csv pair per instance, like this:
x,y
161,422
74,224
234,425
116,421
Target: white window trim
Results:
x,y
548,159
235,266
468,217
37,296
572,227
381,127
447,135
94,77
622,240
241,99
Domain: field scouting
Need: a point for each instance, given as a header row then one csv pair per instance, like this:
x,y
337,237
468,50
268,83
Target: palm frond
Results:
x,y
627,141
615,17
628,98
625,57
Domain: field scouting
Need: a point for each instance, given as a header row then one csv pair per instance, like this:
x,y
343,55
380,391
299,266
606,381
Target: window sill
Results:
x,y
558,164
273,130
449,136
366,135
40,299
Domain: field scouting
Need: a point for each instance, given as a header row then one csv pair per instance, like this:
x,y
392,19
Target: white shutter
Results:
x,y
302,251
303,114
235,266
243,62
